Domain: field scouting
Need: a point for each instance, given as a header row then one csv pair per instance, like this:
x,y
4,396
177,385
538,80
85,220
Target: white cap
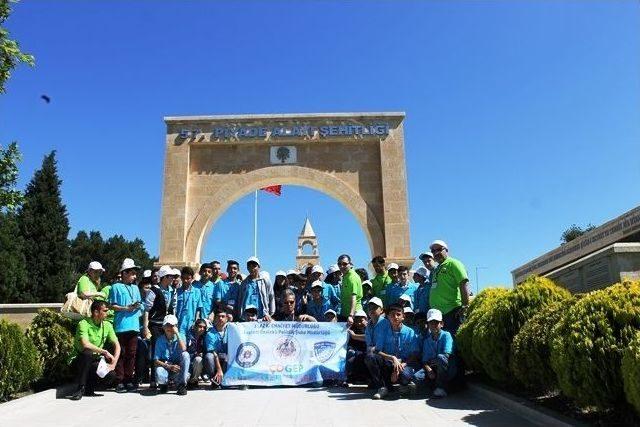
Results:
x,y
251,307
317,284
146,273
128,264
434,314
170,319
175,272
377,301
408,310
423,272
317,269
423,255
333,268
330,311
405,297
280,273
253,259
367,282
438,243
165,270
95,265
360,313
392,265
294,272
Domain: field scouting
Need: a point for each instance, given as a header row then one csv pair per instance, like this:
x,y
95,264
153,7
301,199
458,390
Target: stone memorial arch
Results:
x,y
212,161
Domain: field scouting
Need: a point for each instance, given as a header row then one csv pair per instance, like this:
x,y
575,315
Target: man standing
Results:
x,y
90,281
255,290
328,291
188,302
216,344
206,285
421,296
126,302
91,336
351,292
171,358
226,290
449,292
382,279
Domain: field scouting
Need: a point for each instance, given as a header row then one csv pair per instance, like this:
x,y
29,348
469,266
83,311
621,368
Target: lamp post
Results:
x,y
477,282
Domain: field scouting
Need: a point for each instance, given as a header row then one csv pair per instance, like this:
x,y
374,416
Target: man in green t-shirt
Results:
x,y
351,291
449,292
382,279
92,336
90,281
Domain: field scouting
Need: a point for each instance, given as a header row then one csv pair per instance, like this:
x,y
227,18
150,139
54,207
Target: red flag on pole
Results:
x,y
276,190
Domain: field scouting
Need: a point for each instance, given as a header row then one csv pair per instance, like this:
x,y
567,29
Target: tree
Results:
x,y
574,231
13,270
10,198
10,54
45,228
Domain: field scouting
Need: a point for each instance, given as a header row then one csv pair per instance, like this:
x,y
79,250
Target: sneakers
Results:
x,y
163,388
121,388
409,389
77,395
92,393
244,387
439,393
381,393
153,385
132,387
182,390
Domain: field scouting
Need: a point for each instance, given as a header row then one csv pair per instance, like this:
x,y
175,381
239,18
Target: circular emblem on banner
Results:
x,y
247,355
286,348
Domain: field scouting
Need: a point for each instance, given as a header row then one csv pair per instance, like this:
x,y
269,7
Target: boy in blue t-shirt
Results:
x,y
317,305
395,354
171,358
215,344
394,290
188,302
438,360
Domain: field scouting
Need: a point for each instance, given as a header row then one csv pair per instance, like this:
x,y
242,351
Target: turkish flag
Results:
x,y
273,189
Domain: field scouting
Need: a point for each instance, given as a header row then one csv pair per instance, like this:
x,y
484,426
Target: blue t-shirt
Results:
x,y
432,348
401,344
215,341
370,329
252,295
227,292
167,351
123,295
317,309
329,293
394,290
207,291
189,302
421,298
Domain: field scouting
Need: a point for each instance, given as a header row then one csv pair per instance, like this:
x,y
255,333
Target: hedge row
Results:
x,y
38,358
540,337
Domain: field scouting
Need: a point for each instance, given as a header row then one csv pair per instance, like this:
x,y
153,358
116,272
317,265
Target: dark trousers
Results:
x,y
357,371
142,360
452,321
85,365
381,370
127,362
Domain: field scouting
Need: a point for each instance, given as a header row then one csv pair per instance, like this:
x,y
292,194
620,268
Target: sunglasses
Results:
x,y
343,264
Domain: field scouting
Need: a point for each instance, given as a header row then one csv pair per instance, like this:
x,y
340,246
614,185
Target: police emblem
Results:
x,y
247,355
324,350
286,348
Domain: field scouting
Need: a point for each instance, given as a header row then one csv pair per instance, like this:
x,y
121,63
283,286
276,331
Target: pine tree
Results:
x,y
13,270
45,228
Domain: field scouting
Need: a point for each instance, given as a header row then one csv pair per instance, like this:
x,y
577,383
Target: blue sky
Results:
x,y
522,117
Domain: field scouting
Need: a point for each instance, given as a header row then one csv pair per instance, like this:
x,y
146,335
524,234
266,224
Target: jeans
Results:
x,y
356,368
181,377
142,360
452,321
445,368
210,364
127,361
381,370
197,364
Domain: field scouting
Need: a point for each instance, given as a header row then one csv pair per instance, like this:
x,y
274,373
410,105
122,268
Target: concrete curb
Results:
x,y
522,407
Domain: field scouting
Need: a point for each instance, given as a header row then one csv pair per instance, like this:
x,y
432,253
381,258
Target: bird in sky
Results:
x,y
46,98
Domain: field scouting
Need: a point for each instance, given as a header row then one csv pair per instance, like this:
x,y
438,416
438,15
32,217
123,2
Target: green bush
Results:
x,y
631,372
530,351
477,308
19,361
494,331
587,344
53,335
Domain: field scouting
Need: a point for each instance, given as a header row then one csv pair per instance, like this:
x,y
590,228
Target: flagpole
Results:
x,y
255,224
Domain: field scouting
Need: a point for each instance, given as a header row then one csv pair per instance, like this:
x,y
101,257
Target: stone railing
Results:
x,y
22,314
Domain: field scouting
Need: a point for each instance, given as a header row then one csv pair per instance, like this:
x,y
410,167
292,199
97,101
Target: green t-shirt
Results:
x,y
85,284
379,284
445,285
95,334
351,284
105,291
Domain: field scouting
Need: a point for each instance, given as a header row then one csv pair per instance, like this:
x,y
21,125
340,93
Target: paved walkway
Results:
x,y
255,407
